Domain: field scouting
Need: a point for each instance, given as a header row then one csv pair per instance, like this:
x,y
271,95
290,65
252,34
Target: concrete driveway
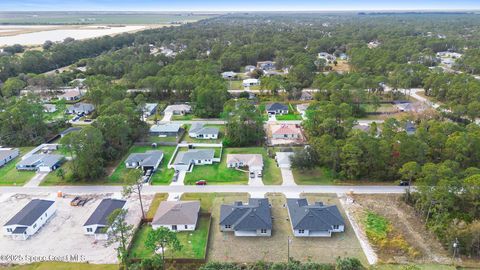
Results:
x,y
180,179
37,179
167,117
287,176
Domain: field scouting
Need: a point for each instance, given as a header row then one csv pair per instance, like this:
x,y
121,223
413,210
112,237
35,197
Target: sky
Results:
x,y
235,5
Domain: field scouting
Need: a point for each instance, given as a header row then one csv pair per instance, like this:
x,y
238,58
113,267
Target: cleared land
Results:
x,y
65,227
9,176
227,247
316,176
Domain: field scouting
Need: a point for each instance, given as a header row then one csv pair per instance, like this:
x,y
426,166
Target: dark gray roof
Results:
x,y
177,212
167,128
276,107
41,160
104,209
315,217
191,155
200,128
30,213
70,130
256,215
149,158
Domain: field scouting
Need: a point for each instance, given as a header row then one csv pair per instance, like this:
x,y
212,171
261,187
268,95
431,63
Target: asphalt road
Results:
x,y
211,188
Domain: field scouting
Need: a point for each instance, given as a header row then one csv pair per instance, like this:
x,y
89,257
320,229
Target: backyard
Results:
x,y
219,173
9,176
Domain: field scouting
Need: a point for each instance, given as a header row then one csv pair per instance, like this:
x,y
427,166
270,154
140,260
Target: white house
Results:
x,y
177,215
254,162
30,219
229,75
7,154
250,82
199,131
186,160
97,223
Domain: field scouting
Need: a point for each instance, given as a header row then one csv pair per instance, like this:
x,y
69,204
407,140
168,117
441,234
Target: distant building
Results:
x,y
254,162
252,219
249,68
49,108
79,108
229,75
179,109
30,219
287,131
276,108
315,220
71,95
8,154
250,82
149,109
266,65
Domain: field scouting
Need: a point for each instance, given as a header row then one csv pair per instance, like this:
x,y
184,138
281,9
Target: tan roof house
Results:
x,y
254,162
177,215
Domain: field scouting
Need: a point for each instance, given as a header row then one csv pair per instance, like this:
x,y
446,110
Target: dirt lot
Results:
x,y
405,223
63,233
227,247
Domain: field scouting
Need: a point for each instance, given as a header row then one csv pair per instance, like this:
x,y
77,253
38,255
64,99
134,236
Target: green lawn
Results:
x,y
235,85
9,176
156,139
193,243
288,117
317,176
219,173
161,177
186,117
420,266
52,179
206,200
157,199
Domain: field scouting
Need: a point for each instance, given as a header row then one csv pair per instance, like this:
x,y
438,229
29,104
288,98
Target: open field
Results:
x,y
219,173
402,223
227,247
100,17
9,176
65,227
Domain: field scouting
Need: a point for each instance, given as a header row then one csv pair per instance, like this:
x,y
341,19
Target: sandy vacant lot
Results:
x,y
63,233
227,247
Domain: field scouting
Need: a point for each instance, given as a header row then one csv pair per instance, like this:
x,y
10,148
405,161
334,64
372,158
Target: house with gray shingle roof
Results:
x,y
199,131
40,162
97,223
7,154
276,108
30,219
187,159
177,215
78,108
252,219
149,160
314,220
166,130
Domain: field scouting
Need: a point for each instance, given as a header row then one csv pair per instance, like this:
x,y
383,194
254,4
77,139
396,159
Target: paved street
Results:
x,y
209,188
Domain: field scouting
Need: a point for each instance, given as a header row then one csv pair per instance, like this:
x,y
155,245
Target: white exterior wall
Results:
x,y
31,230
180,227
7,159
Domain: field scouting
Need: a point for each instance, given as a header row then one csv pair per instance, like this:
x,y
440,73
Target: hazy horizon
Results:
x,y
231,6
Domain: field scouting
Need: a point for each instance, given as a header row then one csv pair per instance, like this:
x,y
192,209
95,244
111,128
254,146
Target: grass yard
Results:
x,y
186,117
157,199
162,176
235,85
52,179
62,266
288,117
157,139
317,176
225,247
9,176
219,173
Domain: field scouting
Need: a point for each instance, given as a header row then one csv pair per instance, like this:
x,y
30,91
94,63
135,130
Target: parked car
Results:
x,y
252,174
148,173
259,174
404,184
201,183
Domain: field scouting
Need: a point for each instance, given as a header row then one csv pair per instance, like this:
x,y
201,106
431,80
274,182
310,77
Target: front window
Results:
x,y
263,231
228,226
336,227
301,231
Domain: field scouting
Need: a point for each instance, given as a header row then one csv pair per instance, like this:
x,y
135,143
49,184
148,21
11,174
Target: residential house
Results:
x,y
250,68
177,215
166,130
149,109
187,159
327,57
71,94
283,159
254,162
252,219
306,96
287,131
199,131
229,75
250,82
41,163
178,109
81,108
30,219
49,108
315,220
97,223
7,154
266,65
276,108
149,160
